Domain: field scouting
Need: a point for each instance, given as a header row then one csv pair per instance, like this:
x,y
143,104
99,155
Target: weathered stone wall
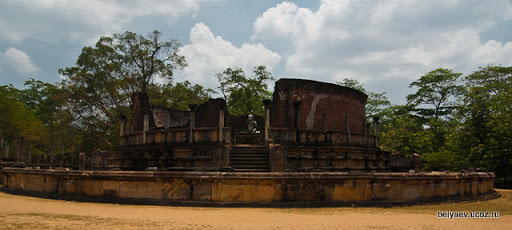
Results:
x,y
211,157
207,114
177,118
317,99
253,187
141,107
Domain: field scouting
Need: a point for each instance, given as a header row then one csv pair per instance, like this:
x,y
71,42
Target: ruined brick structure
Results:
x,y
318,101
308,126
312,145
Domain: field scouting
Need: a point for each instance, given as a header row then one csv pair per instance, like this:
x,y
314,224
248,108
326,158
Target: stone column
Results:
x,y
81,159
296,106
347,128
146,129
61,163
6,152
122,130
221,126
51,155
28,157
166,126
132,127
192,123
364,131
325,121
376,130
267,102
20,149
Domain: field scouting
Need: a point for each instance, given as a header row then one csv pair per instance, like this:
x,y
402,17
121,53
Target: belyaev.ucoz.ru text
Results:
x,y
457,214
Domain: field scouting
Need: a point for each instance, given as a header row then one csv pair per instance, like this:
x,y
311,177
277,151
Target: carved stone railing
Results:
x,y
321,137
176,136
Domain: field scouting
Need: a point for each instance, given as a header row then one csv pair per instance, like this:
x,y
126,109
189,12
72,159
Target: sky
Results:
x,y
384,44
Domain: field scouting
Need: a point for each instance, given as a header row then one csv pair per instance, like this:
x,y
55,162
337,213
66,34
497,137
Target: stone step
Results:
x,y
249,158
250,170
258,151
249,164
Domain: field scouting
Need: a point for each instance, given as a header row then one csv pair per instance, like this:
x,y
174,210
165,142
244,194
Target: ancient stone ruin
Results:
x,y
313,145
308,126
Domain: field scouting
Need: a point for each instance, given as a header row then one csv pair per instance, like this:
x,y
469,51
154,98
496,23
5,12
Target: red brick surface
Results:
x,y
316,99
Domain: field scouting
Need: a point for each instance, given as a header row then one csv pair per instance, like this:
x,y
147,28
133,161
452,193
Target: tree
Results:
x,y
405,135
487,126
245,95
16,120
48,103
105,76
376,102
435,89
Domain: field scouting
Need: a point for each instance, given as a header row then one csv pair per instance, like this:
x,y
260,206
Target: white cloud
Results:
x,y
493,53
208,55
17,60
62,20
384,40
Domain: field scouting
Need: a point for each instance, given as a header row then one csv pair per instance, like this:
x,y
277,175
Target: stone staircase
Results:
x,y
249,158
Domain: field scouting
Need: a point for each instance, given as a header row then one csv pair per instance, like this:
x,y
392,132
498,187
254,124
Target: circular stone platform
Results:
x,y
253,189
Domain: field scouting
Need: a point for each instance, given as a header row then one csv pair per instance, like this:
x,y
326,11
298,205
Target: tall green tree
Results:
x,y
48,102
438,91
244,95
105,76
16,119
487,127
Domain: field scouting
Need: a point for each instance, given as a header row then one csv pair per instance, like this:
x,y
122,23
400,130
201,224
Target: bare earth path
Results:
x,y
20,212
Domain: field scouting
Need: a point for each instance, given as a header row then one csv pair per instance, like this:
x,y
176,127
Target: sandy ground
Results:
x,y
22,212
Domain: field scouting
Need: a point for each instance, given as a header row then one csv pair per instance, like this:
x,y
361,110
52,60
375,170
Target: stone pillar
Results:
x,y
51,155
146,129
267,102
6,151
122,130
20,149
376,130
28,157
81,159
364,131
296,106
221,126
61,163
166,126
192,123
347,128
325,121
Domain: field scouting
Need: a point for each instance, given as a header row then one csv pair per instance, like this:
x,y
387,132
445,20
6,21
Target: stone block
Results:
x,y
176,190
202,192
353,190
140,189
91,187
245,191
474,188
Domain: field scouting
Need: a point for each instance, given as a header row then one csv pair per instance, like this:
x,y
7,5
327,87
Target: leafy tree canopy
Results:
x,y
438,89
244,95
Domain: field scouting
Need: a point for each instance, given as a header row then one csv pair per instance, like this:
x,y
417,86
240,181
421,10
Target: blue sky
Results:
x,y
384,44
